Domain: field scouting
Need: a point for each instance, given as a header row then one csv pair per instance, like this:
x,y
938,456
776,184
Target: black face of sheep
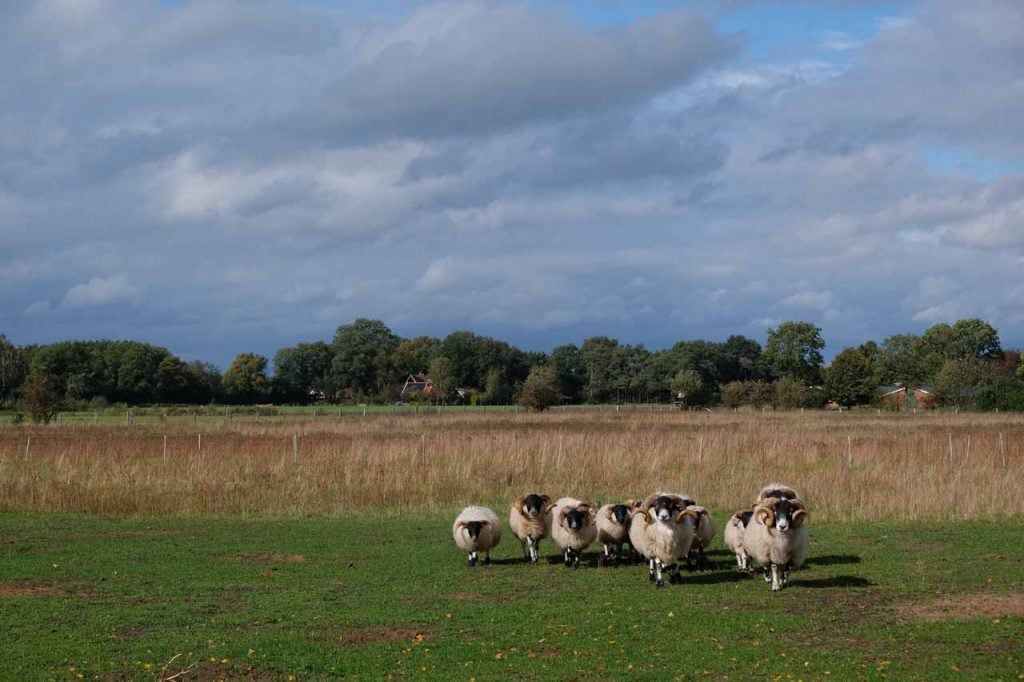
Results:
x,y
787,515
666,508
576,519
534,505
621,514
745,517
473,529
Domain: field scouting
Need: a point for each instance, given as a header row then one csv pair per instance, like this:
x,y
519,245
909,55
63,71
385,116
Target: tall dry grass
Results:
x,y
852,465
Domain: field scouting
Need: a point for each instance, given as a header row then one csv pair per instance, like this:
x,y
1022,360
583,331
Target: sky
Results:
x,y
227,176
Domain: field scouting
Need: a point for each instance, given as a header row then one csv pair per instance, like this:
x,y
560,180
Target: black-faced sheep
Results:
x,y
662,530
734,529
613,527
477,529
530,522
776,538
573,528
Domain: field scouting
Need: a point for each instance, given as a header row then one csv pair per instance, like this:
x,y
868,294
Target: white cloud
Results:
x,y
100,291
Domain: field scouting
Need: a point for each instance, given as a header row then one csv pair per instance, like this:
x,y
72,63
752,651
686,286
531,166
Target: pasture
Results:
x,y
264,549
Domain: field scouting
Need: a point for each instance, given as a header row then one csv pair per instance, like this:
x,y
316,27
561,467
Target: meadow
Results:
x,y
314,548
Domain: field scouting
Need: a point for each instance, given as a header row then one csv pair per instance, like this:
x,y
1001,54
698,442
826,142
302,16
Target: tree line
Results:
x,y
961,364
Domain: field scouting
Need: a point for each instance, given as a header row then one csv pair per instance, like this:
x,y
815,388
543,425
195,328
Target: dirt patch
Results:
x,y
131,634
968,607
141,533
42,588
269,557
362,636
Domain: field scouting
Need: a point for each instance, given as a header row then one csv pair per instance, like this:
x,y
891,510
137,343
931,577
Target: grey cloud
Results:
x,y
500,65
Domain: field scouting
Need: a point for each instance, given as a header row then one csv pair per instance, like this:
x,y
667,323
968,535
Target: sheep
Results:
x,y
734,529
704,533
613,527
477,529
573,528
662,530
530,522
777,490
776,538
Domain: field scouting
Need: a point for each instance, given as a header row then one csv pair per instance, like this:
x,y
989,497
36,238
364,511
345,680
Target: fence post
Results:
x,y
1002,450
700,451
200,447
849,452
295,448
28,444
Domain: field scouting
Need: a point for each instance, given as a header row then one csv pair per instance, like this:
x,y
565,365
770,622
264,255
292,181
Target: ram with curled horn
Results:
x,y
776,537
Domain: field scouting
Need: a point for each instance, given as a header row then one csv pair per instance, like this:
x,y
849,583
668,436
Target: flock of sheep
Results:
x,y
664,529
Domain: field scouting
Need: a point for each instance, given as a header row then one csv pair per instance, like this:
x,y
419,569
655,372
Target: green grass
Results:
x,y
129,598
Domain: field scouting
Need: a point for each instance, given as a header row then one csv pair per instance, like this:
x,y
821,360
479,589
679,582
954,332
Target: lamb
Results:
x,y
734,529
530,522
613,527
704,533
662,530
477,529
776,538
573,528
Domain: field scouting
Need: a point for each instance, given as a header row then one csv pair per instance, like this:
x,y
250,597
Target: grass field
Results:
x,y
86,596
315,548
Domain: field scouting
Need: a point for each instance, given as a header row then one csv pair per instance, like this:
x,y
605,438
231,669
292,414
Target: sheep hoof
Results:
x,y
471,562
660,584
675,579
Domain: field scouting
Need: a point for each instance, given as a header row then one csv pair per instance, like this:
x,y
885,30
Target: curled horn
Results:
x,y
589,508
687,512
608,513
765,515
520,501
648,501
460,524
633,504
560,515
800,516
640,512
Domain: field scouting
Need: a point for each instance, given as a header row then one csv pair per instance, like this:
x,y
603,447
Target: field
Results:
x,y
314,548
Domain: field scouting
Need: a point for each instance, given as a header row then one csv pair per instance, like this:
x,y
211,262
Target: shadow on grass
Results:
x,y
714,578
833,560
834,581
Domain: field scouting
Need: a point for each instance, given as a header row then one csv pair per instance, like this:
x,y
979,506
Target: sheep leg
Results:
x,y
472,559
650,570
739,562
487,557
674,576
657,567
526,552
767,573
575,558
776,578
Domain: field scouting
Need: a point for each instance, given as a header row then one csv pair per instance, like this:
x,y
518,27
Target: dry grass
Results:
x,y
902,466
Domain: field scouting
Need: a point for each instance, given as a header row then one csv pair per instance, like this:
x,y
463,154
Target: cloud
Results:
x,y
474,67
100,291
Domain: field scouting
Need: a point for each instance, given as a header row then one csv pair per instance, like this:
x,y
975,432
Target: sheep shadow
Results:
x,y
833,560
713,578
833,581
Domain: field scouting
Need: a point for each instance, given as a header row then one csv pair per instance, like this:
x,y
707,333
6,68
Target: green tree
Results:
x,y
794,350
685,384
566,361
39,398
13,368
412,356
789,393
303,371
362,351
741,359
246,379
899,361
849,380
540,390
173,383
496,389
442,375
600,358
959,382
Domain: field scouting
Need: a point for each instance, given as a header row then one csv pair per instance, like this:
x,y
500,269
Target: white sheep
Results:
x,y
573,528
530,522
734,529
776,538
662,530
613,527
477,529
704,533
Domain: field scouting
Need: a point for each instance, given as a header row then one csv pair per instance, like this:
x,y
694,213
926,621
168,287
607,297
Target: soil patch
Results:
x,y
362,636
264,557
969,607
41,588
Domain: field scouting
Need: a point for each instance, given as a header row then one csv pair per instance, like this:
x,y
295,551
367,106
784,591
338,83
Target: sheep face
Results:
x,y
473,529
534,505
782,515
667,508
620,513
575,519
